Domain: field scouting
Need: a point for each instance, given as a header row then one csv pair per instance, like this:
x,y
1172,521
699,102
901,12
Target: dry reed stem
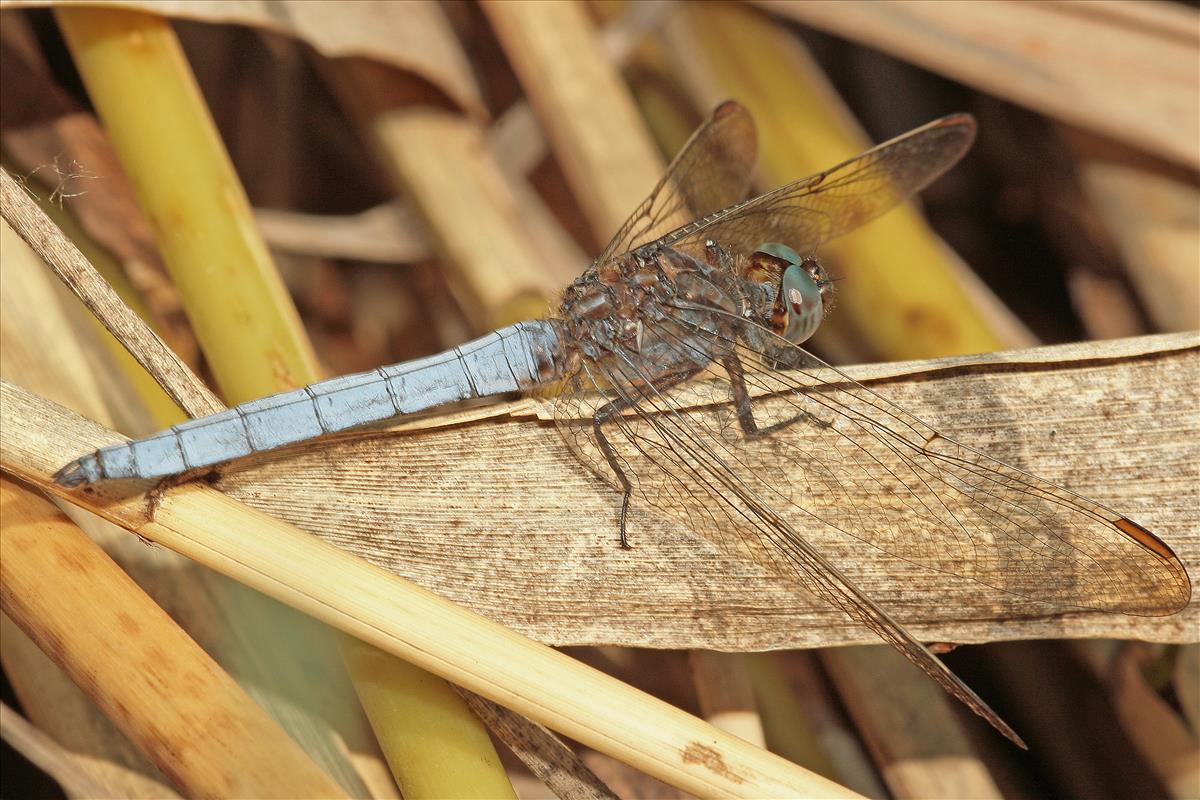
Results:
x,y
164,692
625,781
78,182
516,137
496,271
249,303
62,711
611,163
1123,69
388,233
586,110
81,277
559,259
504,254
1187,684
160,128
1153,218
909,296
150,408
726,694
915,736
1105,305
1160,734
1065,715
791,686
502,259
1161,737
37,355
548,757
409,622
475,221
412,36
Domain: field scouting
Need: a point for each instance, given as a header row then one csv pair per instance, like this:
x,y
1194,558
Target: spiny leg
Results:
x,y
154,497
612,410
745,411
604,414
717,258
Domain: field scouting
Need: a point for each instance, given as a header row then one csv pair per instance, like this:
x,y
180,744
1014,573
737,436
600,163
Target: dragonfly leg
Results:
x,y
745,411
604,414
155,496
610,411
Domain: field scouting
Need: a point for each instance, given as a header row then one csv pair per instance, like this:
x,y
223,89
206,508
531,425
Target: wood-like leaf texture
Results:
x,y
495,513
490,509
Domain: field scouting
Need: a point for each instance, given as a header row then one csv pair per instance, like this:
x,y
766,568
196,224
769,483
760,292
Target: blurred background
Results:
x,y
421,173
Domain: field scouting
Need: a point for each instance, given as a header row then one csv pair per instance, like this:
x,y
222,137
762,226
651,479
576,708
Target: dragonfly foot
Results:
x,y
625,545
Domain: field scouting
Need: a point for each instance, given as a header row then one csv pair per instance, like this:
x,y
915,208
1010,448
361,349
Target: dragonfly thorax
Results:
x,y
648,301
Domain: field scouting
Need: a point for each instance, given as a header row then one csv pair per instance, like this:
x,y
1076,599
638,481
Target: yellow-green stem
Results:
x,y
246,324
160,127
434,744
904,299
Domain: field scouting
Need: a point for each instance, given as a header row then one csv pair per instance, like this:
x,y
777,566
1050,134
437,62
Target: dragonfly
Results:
x,y
675,370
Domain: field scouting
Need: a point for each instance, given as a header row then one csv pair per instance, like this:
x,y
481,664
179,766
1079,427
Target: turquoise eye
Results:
x,y
782,252
799,293
801,298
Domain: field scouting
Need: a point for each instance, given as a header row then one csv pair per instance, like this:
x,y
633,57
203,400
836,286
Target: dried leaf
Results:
x,y
413,36
496,513
1127,70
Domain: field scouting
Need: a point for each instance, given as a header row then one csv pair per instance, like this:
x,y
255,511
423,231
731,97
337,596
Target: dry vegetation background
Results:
x,y
423,172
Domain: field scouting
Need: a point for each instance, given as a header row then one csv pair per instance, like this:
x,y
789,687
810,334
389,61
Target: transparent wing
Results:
x,y
848,492
683,467
711,172
886,479
809,212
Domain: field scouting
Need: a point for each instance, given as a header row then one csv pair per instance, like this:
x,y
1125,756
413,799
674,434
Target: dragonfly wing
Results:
x,y
832,586
844,494
811,211
710,172
686,471
881,477
883,493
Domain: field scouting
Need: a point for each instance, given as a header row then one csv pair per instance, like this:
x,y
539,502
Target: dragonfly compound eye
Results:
x,y
800,306
803,302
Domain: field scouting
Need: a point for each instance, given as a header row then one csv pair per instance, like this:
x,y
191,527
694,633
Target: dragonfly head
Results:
x,y
803,290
